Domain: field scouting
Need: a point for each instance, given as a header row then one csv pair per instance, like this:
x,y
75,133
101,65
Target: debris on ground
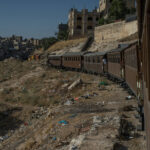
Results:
x,y
74,84
63,122
129,97
37,111
102,83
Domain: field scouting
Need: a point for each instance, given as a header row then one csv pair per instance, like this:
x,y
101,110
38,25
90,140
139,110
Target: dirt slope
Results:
x,y
37,111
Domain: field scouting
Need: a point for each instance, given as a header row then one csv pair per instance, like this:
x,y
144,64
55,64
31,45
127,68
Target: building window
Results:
x,y
90,18
79,18
97,18
89,27
78,27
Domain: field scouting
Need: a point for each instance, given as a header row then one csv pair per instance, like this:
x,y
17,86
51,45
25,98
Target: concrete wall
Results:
x,y
114,31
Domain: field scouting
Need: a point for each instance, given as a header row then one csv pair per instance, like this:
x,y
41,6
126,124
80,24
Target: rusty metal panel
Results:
x,y
93,67
131,67
55,61
131,76
147,115
114,69
71,62
93,63
144,38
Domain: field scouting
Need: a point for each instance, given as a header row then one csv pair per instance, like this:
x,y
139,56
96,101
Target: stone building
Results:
x,y
82,23
104,6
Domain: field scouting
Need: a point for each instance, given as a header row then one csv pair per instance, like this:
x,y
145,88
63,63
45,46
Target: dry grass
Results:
x,y
62,44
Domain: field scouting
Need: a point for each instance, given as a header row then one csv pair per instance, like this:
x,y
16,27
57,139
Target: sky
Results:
x,y
37,18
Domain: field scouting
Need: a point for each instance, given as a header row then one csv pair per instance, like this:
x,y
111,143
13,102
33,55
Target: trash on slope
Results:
x,y
73,115
76,143
129,97
74,84
63,122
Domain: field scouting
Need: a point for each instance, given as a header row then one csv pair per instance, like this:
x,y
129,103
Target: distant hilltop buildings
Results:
x,y
17,47
82,23
17,43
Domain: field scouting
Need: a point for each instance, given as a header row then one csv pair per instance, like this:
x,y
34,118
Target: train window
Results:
x,y
98,59
93,60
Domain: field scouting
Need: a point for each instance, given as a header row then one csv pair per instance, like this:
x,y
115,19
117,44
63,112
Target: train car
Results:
x,y
93,63
115,62
55,61
73,60
131,68
143,8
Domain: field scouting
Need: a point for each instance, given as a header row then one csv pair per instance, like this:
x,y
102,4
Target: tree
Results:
x,y
47,42
118,10
62,35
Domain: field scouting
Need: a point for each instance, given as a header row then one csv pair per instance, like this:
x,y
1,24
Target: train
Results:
x,y
121,64
143,12
128,64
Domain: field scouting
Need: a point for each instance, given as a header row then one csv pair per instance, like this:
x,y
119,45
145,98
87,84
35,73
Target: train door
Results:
x,y
122,61
105,63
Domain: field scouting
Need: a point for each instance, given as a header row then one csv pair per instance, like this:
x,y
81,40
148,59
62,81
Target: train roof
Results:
x,y
120,48
75,53
54,55
95,54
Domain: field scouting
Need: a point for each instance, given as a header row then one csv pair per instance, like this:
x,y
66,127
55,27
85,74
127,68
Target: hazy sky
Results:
x,y
37,18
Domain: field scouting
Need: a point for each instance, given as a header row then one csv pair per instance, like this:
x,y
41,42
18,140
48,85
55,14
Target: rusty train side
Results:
x,y
143,7
55,61
73,61
93,63
131,73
